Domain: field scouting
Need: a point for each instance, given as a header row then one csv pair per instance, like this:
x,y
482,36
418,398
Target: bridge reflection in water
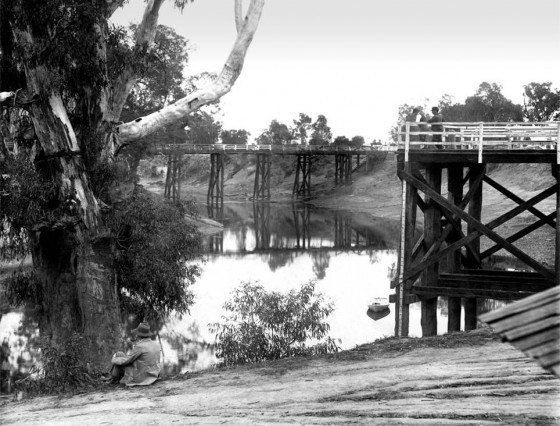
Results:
x,y
306,230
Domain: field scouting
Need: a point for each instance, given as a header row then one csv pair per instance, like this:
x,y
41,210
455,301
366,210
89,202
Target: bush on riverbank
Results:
x,y
263,325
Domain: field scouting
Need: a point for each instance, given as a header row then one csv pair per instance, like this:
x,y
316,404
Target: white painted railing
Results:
x,y
480,136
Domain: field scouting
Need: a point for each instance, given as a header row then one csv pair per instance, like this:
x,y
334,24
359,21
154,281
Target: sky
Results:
x,y
357,61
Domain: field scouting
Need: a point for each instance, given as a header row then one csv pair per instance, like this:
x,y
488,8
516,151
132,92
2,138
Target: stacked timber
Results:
x,y
532,325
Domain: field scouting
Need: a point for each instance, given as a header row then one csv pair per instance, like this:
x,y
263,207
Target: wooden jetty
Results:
x,y
445,259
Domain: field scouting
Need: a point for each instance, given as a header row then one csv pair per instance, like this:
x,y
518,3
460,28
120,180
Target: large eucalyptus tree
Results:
x,y
65,77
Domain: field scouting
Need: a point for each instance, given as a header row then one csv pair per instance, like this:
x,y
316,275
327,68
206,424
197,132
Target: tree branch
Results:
x,y
147,28
238,10
128,132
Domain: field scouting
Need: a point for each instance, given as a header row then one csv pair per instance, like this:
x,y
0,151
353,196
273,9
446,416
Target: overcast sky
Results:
x,y
356,61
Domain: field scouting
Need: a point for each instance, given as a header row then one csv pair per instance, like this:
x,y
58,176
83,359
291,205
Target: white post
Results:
x,y
406,142
480,137
558,144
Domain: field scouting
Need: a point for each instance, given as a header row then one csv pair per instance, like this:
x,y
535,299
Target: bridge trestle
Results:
x,y
302,180
444,260
261,190
215,196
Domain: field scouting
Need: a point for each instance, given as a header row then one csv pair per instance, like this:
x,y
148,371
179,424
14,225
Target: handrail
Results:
x,y
481,136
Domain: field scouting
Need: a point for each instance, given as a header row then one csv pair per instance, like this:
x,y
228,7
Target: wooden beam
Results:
x,y
483,229
518,200
455,196
432,231
518,235
469,293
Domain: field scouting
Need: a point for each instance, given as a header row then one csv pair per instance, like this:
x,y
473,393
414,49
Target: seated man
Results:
x,y
142,366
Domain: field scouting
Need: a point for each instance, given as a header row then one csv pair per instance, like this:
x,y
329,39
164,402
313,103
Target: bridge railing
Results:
x,y
275,149
479,136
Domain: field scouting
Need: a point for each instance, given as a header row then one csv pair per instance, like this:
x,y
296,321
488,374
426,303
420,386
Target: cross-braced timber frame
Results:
x,y
215,196
261,190
302,180
446,259
343,169
172,189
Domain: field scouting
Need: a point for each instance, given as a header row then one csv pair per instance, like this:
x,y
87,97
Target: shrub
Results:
x,y
262,325
63,369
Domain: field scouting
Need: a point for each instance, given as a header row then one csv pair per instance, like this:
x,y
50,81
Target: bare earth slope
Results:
x,y
457,379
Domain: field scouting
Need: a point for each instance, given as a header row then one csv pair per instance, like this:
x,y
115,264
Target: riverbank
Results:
x,y
463,378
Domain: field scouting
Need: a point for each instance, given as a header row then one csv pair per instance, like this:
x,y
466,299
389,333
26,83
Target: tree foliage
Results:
x,y
266,325
542,103
301,127
235,137
321,134
157,250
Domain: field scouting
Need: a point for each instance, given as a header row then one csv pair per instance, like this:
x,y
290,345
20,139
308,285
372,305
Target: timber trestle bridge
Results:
x,y
442,256
344,165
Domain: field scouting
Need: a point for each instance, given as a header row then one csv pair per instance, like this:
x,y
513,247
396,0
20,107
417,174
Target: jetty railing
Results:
x,y
479,136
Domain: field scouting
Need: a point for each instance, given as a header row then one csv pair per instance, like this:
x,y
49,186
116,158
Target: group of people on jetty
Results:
x,y
416,116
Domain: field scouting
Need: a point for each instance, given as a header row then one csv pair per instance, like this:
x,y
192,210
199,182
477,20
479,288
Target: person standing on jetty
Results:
x,y
436,118
142,366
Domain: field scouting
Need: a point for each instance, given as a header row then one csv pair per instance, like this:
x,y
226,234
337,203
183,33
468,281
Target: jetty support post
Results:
x,y
455,196
407,239
475,211
432,232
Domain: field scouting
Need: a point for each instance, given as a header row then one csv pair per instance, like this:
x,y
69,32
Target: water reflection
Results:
x,y
351,256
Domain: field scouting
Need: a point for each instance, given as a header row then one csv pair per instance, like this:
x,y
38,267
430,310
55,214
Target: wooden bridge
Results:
x,y
304,154
445,259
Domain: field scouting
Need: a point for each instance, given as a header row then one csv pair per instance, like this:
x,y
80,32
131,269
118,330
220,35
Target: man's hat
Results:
x,y
435,109
143,330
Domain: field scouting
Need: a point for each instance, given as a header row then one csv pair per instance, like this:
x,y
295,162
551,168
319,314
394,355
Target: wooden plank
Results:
x,y
543,311
476,224
539,299
521,278
494,285
455,196
529,329
491,272
529,339
468,293
550,359
542,349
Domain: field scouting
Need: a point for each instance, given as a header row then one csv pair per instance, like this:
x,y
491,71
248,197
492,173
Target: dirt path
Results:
x,y
459,379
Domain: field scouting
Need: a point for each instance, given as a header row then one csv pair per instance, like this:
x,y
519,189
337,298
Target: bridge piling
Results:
x,y
261,189
302,179
215,196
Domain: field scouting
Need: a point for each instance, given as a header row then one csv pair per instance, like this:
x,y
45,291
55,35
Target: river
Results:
x,y
351,257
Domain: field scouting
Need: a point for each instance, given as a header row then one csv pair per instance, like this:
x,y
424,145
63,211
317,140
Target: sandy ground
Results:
x,y
444,380
465,378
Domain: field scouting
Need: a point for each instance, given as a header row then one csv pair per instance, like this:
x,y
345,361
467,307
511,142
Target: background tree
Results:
x,y
541,102
357,141
72,81
235,137
341,141
301,127
203,129
279,133
487,104
322,134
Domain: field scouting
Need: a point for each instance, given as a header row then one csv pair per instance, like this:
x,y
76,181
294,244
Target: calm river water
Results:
x,y
350,256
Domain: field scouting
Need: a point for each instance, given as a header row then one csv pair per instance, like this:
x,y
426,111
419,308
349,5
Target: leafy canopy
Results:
x,y
266,325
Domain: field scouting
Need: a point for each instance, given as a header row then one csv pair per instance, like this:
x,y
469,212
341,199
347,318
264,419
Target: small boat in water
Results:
x,y
378,304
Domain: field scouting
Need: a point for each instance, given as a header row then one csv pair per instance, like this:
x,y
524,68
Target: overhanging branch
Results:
x,y
129,132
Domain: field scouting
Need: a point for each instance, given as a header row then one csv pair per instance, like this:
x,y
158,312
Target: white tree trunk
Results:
x,y
128,132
